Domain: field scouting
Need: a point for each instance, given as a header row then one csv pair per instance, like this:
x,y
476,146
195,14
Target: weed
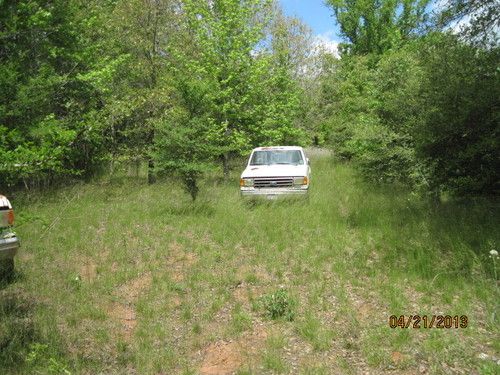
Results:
x,y
279,305
40,358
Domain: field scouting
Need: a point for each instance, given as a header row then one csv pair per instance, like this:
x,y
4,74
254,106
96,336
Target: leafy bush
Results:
x,y
459,138
279,305
48,123
425,115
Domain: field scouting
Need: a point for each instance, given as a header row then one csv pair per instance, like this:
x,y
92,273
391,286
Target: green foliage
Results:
x,y
25,343
226,98
459,139
214,79
48,124
370,123
415,109
83,83
279,305
377,26
424,115
181,147
40,359
481,16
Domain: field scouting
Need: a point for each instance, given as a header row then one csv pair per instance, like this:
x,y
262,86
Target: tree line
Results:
x,y
415,97
185,86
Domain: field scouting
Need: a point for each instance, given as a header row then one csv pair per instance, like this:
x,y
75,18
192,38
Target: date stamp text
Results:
x,y
428,321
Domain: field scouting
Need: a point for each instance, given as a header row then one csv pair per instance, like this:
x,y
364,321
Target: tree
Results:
x,y
224,34
49,125
184,147
477,20
459,140
375,26
294,71
140,34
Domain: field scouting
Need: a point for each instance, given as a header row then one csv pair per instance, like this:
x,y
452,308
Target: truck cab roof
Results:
x,y
272,148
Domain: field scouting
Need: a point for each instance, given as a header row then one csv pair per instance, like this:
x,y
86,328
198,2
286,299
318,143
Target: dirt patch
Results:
x,y
226,357
178,262
88,272
260,275
240,294
366,306
365,310
221,358
131,290
125,314
87,269
253,341
175,248
176,301
244,292
177,255
123,311
397,357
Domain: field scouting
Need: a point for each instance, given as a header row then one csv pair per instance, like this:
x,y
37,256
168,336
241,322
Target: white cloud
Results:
x,y
325,42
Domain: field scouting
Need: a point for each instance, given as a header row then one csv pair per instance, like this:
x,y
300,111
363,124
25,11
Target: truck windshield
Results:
x,y
291,157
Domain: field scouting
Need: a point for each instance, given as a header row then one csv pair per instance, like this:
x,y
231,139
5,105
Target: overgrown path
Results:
x,y
121,277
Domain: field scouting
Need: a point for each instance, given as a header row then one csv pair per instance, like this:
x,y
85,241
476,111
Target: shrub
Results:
x,y
279,305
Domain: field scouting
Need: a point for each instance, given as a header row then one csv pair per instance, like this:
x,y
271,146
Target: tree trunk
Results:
x,y
225,165
151,171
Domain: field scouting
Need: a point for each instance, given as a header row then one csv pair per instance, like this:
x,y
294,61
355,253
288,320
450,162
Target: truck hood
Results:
x,y
276,170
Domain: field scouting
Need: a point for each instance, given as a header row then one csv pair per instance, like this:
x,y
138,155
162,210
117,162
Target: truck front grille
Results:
x,y
273,182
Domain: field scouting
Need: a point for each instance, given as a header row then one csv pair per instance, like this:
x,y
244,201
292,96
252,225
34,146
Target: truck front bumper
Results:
x,y
8,247
274,193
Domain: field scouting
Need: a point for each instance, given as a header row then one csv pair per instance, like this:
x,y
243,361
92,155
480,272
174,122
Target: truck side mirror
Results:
x,y
308,161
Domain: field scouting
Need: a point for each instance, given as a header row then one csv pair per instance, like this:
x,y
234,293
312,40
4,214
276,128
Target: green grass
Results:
x,y
116,275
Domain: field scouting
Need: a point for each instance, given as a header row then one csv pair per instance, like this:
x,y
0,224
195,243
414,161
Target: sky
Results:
x,y
318,17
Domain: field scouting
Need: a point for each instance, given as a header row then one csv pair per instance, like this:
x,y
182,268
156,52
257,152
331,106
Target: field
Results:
x,y
119,277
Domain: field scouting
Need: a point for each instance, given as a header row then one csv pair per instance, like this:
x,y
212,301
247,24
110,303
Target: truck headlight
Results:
x,y
246,182
298,181
10,217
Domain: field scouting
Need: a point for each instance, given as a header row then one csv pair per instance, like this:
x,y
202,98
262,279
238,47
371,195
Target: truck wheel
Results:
x,y
6,269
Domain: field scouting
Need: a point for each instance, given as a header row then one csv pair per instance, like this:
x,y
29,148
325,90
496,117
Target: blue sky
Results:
x,y
314,13
317,16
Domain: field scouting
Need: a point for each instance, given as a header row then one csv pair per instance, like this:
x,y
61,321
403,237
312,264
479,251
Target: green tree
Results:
x,y
222,35
459,139
184,145
49,123
477,20
231,92
375,26
139,35
290,57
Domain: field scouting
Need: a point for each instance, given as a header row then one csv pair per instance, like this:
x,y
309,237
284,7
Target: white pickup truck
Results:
x,y
9,243
276,171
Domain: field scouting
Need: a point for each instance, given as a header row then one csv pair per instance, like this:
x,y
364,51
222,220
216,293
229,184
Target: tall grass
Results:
x,y
184,275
